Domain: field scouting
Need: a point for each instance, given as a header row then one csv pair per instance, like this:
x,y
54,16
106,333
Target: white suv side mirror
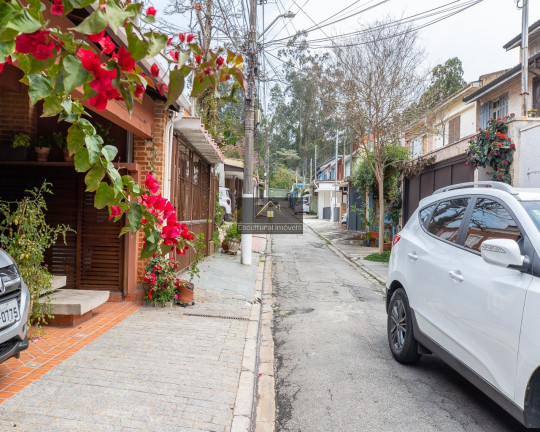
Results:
x,y
501,252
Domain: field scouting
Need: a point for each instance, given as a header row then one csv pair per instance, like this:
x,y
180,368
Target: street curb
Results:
x,y
362,267
246,396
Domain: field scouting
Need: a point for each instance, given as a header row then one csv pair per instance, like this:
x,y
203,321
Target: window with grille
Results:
x,y
454,129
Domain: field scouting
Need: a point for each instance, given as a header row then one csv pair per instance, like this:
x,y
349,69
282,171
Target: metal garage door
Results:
x,y
448,172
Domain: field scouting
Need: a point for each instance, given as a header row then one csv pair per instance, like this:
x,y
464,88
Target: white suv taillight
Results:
x,y
397,238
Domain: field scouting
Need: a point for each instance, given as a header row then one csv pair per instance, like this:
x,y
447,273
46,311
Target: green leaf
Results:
x,y
93,144
105,196
176,86
136,46
69,5
94,177
150,19
116,16
51,106
75,74
127,96
134,217
7,11
116,179
239,77
7,35
31,65
82,164
109,152
75,139
36,4
199,86
40,87
134,9
93,24
156,43
23,22
6,48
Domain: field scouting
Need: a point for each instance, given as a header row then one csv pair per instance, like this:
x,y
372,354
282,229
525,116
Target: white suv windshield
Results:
x,y
533,208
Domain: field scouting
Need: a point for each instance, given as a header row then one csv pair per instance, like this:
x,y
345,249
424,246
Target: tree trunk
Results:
x,y
380,180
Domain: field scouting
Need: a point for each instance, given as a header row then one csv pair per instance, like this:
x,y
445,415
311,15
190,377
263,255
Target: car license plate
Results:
x,y
9,313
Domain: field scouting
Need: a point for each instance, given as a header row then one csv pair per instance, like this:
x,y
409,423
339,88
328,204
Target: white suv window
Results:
x,y
447,218
490,220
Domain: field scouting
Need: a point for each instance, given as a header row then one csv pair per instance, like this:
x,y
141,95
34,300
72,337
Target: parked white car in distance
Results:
x,y
464,283
225,202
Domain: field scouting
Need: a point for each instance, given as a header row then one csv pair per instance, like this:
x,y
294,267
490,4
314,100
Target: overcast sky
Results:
x,y
475,35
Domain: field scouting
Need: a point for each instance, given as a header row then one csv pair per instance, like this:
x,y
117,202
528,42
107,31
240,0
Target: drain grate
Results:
x,y
217,316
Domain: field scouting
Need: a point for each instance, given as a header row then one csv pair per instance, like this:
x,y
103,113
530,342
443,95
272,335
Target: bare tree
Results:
x,y
381,82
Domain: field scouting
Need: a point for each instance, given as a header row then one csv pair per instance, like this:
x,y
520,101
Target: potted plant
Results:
x,y
43,148
160,275
232,236
185,288
19,147
61,142
387,245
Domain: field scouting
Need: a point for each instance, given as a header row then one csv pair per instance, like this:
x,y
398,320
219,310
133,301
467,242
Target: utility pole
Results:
x,y
310,170
524,55
315,162
249,129
334,192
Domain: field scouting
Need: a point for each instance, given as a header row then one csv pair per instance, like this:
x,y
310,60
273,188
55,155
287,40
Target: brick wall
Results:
x,y
147,151
15,110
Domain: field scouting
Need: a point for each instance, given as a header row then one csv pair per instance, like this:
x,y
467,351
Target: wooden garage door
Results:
x,y
445,173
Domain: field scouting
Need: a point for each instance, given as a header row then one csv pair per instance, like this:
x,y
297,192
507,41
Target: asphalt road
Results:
x,y
335,371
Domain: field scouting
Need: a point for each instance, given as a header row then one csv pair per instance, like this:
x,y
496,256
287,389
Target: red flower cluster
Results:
x,y
39,44
124,59
151,11
154,70
115,211
57,7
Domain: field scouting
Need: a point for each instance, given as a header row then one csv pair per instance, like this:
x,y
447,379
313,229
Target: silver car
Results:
x,y
14,305
301,205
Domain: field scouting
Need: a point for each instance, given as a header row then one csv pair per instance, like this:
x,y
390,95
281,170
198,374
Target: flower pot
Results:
x,y
185,292
234,245
374,235
225,245
67,157
373,242
42,153
387,247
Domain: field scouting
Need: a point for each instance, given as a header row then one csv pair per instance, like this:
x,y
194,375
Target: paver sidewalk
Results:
x,y
160,369
349,244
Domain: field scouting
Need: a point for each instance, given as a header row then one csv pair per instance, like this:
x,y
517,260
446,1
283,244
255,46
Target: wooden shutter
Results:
x,y
454,129
101,250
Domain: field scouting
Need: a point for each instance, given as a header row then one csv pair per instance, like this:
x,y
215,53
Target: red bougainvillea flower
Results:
x,y
150,295
174,55
8,61
208,71
97,37
39,44
89,59
163,88
190,38
198,59
139,90
151,11
220,61
107,45
124,59
151,183
57,8
102,84
169,41
154,70
115,211
182,37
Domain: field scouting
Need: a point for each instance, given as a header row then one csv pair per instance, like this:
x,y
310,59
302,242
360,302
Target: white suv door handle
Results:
x,y
456,275
412,256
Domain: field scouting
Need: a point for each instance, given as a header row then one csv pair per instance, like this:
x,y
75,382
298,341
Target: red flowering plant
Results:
x,y
492,147
160,275
57,60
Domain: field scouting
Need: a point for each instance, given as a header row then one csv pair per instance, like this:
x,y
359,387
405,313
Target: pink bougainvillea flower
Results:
x,y
151,183
182,37
154,70
115,211
39,44
124,59
189,38
174,55
151,11
57,8
107,45
97,37
163,88
139,90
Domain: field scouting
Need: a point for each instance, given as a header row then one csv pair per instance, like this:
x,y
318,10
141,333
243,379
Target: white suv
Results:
x,y
464,283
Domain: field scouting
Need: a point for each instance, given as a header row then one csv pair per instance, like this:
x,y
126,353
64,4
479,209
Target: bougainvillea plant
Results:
x,y
492,147
160,275
66,65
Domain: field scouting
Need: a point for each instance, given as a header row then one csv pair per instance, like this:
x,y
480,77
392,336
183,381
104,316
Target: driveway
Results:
x,y
334,368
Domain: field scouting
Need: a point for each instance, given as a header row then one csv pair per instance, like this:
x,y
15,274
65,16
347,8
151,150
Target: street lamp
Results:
x,y
288,15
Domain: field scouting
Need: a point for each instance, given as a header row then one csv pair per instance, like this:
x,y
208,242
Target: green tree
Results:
x,y
446,79
283,178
